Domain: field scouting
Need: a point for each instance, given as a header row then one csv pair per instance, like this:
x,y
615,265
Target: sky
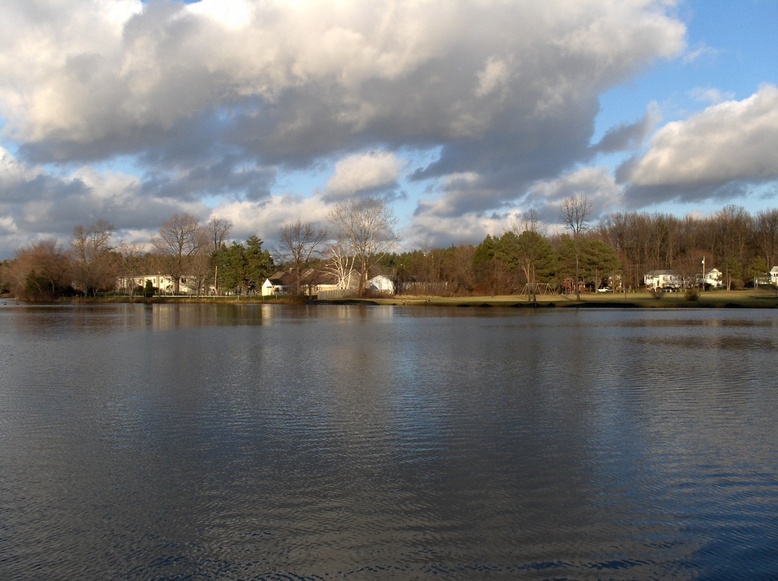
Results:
x,y
464,115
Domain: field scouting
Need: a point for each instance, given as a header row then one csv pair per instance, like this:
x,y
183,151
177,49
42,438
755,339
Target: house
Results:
x,y
268,288
381,284
713,278
280,283
312,282
330,285
774,276
162,282
662,279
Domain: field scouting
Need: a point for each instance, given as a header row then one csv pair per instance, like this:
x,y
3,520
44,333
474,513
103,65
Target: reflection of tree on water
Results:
x,y
387,439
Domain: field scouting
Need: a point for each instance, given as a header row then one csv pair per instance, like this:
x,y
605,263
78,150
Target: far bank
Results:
x,y
748,298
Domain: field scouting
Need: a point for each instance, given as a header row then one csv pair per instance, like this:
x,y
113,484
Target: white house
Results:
x,y
381,284
268,288
162,282
312,282
281,283
662,279
713,278
774,276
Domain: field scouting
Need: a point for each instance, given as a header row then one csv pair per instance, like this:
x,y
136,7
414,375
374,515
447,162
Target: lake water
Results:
x,y
329,442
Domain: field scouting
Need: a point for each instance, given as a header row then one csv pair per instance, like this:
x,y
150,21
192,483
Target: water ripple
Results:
x,y
362,444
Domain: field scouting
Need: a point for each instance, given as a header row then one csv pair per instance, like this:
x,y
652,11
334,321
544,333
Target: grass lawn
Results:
x,y
748,298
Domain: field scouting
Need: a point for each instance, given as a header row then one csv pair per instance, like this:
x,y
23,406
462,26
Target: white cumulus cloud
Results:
x,y
364,173
217,99
733,140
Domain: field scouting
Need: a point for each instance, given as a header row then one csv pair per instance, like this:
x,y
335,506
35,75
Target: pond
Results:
x,y
327,442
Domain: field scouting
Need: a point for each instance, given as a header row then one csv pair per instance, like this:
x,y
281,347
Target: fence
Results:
x,y
340,293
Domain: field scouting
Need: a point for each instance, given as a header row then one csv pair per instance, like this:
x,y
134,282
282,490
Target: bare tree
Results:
x,y
430,267
93,262
457,269
181,238
366,227
130,267
732,226
575,213
766,235
5,279
218,231
533,253
340,262
39,271
201,271
302,241
529,222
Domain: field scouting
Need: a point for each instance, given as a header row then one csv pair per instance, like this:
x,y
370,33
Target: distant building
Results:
x,y
713,278
662,280
280,283
312,283
381,284
163,284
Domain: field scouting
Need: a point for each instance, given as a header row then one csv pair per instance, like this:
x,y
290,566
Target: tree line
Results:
x,y
202,256
360,240
616,251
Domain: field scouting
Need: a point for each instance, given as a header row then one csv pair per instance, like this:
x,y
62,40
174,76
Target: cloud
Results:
x,y
700,51
300,80
493,77
711,95
364,173
232,14
219,99
595,183
713,154
630,135
440,232
225,177
266,218
439,224
34,200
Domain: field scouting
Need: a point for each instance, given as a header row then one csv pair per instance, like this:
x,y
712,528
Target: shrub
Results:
x,y
148,290
692,294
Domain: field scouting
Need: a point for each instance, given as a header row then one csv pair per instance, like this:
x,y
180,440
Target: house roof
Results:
x,y
281,278
314,276
311,276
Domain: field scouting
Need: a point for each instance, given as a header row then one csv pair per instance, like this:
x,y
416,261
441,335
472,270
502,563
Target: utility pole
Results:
x,y
703,273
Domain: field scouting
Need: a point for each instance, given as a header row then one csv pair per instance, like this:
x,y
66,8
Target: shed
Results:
x,y
381,284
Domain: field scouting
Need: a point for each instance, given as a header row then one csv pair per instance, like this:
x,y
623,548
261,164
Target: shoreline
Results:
x,y
742,299
748,299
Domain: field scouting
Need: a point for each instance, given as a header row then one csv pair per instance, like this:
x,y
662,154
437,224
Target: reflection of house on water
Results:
x,y
165,317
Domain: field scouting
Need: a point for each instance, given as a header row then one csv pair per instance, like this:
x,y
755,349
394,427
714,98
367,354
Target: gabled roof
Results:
x,y
281,278
314,276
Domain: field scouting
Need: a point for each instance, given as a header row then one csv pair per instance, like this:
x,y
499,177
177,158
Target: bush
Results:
x,y
692,294
656,293
148,290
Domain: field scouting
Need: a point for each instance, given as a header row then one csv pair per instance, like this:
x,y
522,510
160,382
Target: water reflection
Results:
x,y
253,441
